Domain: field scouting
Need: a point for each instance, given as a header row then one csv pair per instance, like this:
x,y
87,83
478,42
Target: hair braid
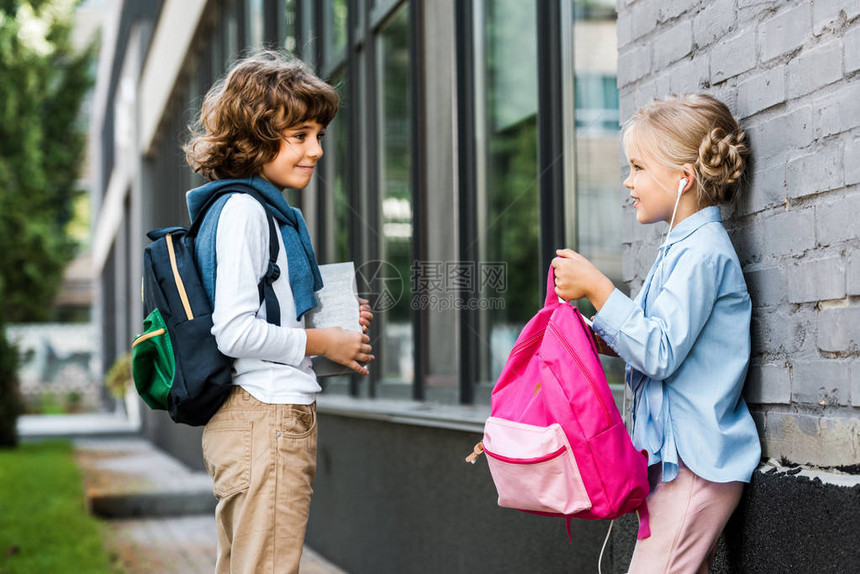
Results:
x,y
722,161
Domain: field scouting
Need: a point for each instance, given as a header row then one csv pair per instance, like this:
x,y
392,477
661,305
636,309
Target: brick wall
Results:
x,y
789,70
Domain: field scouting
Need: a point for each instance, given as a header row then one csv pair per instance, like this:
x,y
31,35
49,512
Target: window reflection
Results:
x,y
254,23
335,28
336,134
395,197
337,219
599,193
231,33
290,26
508,216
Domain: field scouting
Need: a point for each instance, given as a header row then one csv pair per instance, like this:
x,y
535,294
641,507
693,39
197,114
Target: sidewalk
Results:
x,y
181,545
160,514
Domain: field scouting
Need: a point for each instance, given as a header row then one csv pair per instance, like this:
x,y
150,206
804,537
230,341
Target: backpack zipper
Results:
x,y
582,368
146,336
177,278
479,449
527,342
535,460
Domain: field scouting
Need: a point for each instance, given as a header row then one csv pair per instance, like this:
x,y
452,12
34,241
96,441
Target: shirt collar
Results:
x,y
708,214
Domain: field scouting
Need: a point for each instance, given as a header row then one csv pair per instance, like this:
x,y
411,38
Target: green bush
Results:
x,y
48,403
119,377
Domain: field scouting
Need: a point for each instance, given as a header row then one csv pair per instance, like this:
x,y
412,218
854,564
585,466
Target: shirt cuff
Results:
x,y
297,344
612,316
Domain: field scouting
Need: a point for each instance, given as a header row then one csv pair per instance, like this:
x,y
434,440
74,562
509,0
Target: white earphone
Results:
x,y
681,185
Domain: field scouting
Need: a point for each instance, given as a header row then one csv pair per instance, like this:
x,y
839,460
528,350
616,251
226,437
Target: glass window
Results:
x,y
395,199
231,34
336,151
597,140
337,222
335,30
307,48
596,102
254,23
290,26
507,202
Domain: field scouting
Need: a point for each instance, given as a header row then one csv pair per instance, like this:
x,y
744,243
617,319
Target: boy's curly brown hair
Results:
x,y
243,116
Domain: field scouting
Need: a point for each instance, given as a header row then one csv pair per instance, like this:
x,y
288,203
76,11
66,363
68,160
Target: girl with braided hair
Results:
x,y
686,336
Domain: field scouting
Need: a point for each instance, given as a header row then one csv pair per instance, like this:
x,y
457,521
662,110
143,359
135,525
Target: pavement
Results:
x,y
159,513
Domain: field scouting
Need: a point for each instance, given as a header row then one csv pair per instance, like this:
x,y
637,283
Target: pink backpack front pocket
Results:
x,y
533,468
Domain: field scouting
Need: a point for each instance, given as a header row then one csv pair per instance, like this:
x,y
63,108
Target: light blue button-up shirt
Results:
x,y
686,341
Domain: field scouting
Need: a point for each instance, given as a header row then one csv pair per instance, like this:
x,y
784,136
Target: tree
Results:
x,y
42,84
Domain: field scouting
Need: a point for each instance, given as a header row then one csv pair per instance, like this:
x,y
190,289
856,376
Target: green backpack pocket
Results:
x,y
152,362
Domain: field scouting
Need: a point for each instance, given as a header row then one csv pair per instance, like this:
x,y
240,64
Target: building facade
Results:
x,y
476,137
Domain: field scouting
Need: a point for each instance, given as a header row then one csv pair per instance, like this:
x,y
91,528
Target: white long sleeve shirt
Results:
x,y
270,360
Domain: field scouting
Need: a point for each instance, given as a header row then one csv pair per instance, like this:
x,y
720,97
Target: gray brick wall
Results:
x,y
789,70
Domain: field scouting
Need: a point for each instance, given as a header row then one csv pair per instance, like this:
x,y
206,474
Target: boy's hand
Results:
x,y
365,315
348,348
577,277
343,347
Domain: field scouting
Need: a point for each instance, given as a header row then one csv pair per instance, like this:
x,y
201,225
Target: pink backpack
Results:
x,y
555,441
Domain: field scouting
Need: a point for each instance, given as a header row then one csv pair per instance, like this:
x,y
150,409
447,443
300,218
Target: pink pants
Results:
x,y
687,517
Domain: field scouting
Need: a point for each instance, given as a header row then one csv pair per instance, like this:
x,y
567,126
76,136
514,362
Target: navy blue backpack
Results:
x,y
176,363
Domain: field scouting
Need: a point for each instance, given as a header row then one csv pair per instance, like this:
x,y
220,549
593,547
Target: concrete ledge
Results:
x,y
150,504
466,418
452,417
90,425
132,478
816,476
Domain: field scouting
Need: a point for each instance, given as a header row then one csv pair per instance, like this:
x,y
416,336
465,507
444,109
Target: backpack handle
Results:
x,y
551,297
552,302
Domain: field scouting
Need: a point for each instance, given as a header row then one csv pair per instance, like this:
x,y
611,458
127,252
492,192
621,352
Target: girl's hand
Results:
x,y
365,315
577,277
601,345
343,347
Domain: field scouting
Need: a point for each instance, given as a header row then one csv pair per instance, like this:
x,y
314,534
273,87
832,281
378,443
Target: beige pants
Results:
x,y
262,459
687,517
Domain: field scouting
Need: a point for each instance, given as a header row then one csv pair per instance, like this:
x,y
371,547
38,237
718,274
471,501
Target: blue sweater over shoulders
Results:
x,y
304,274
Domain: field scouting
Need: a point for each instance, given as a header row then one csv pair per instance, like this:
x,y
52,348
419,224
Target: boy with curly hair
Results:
x,y
262,127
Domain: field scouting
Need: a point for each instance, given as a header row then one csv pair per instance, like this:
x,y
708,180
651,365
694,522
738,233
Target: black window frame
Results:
x,y
364,20
551,173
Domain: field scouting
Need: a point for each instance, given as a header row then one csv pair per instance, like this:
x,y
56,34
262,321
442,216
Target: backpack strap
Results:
x,y
267,292
644,521
265,289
